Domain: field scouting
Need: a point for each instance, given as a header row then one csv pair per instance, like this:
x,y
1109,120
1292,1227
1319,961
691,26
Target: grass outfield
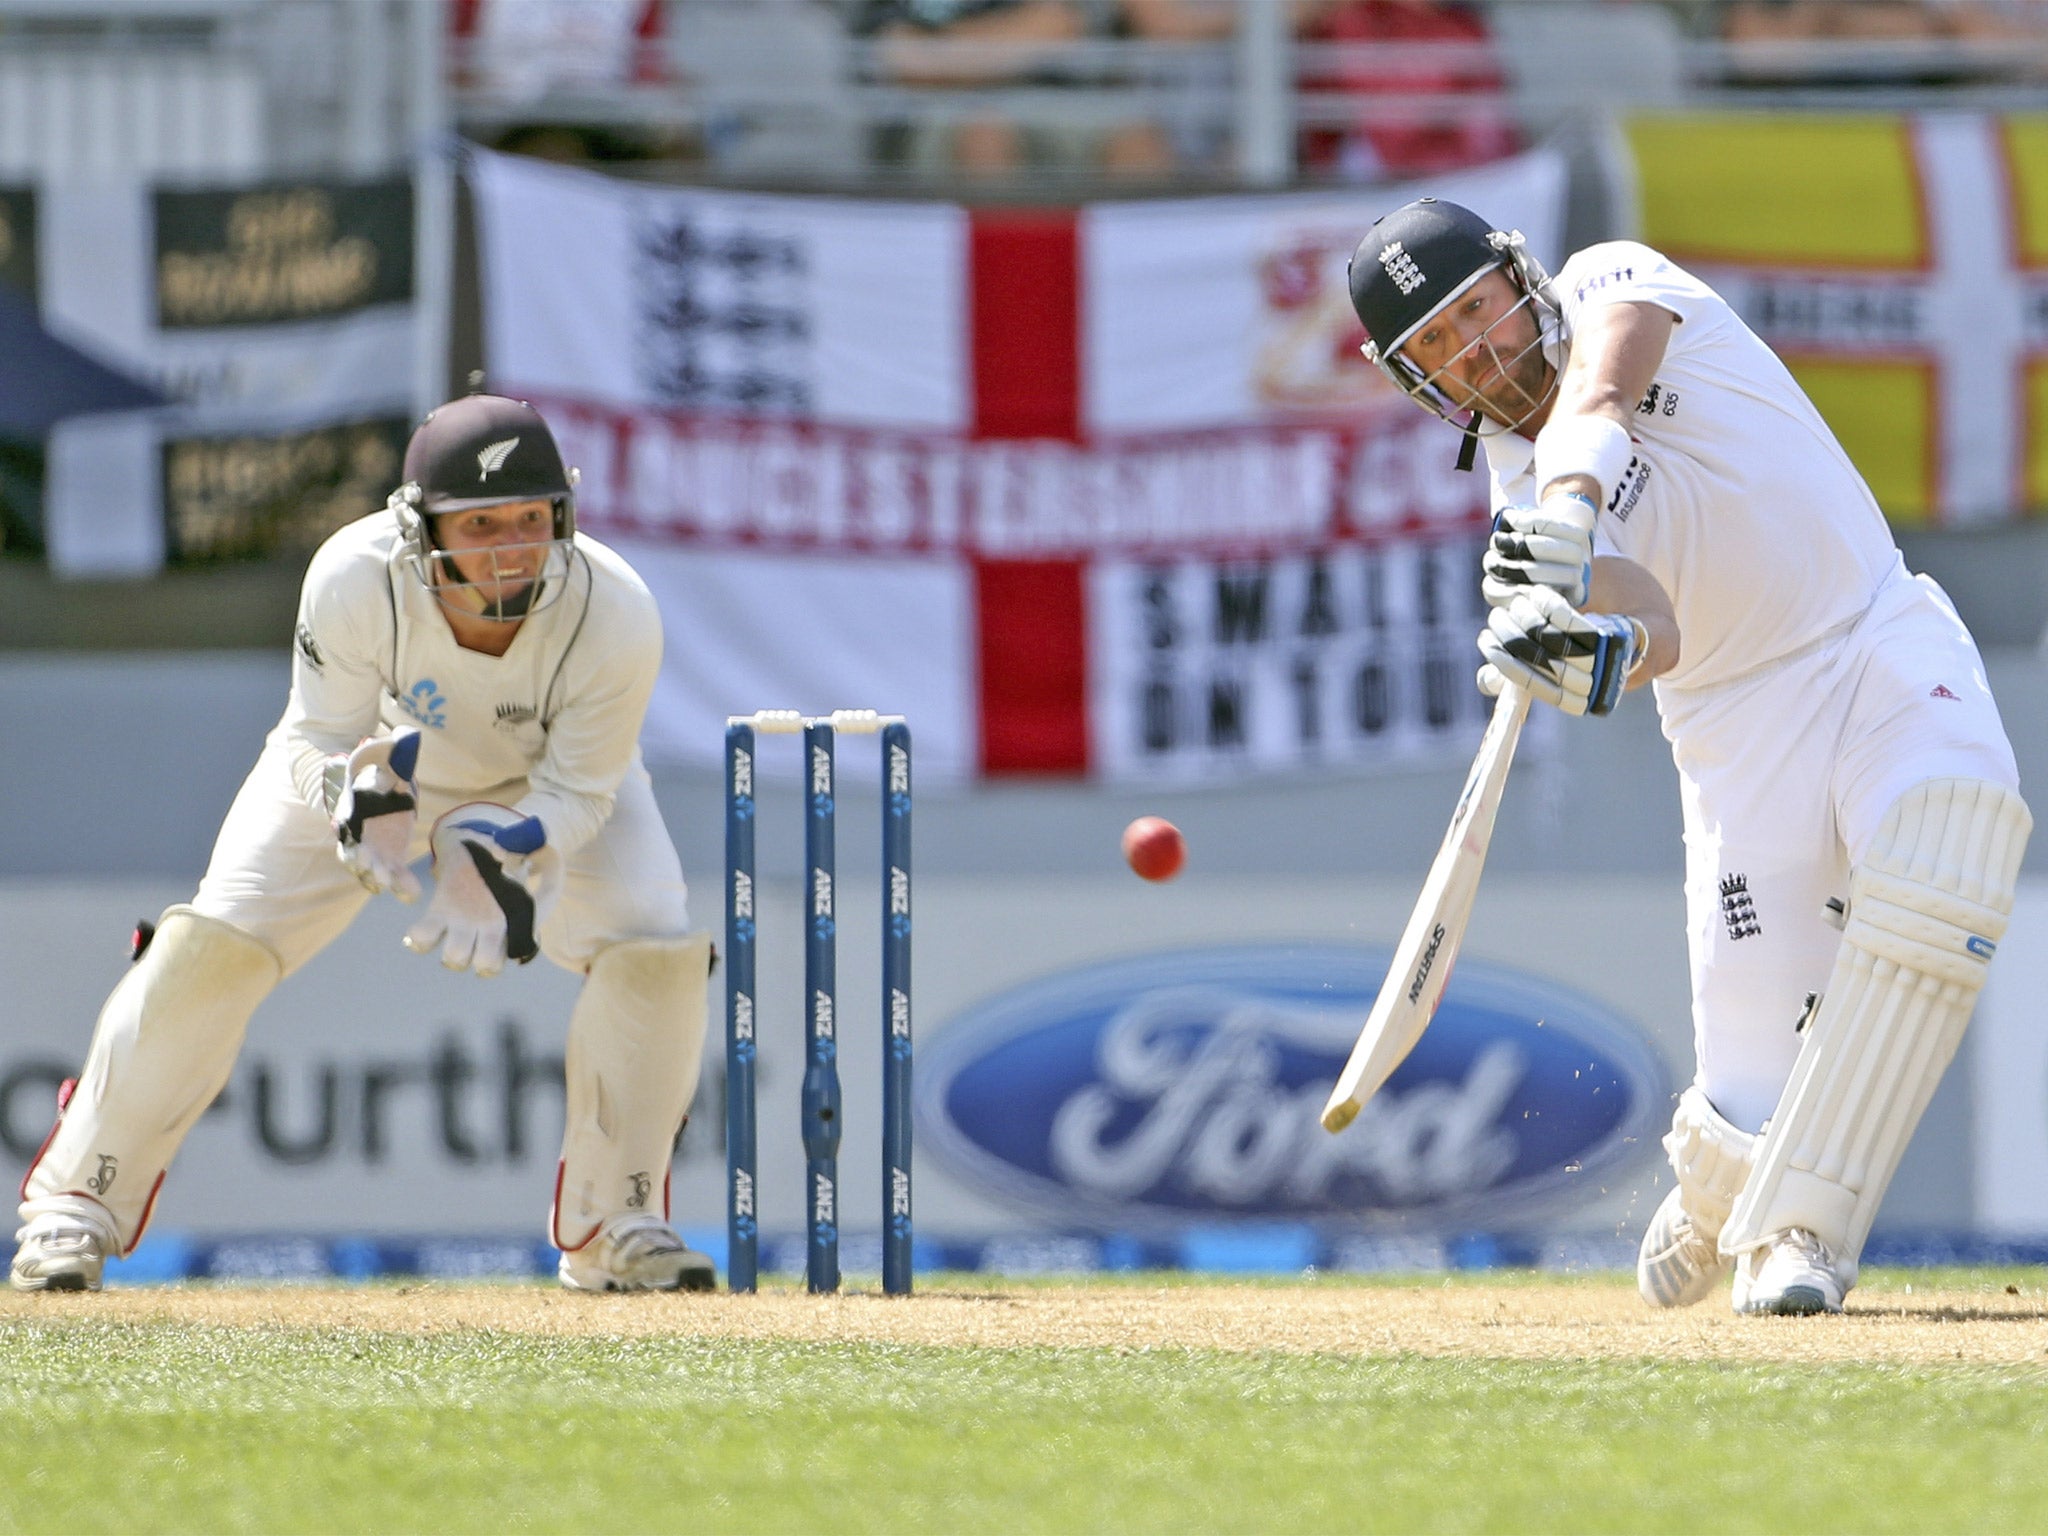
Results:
x,y
1148,1404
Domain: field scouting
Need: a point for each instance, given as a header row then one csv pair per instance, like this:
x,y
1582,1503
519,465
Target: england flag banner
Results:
x,y
1104,492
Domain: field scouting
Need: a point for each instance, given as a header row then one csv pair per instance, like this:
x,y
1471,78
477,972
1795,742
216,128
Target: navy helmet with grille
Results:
x,y
1413,262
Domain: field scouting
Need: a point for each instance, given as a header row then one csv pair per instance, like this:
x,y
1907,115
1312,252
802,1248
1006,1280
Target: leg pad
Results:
x,y
636,1044
1927,907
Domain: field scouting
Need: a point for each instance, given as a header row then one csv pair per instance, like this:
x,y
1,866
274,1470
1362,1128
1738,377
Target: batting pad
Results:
x,y
162,1051
636,1042
1927,907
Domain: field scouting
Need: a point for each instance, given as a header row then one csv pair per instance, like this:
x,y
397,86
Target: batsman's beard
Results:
x,y
1513,390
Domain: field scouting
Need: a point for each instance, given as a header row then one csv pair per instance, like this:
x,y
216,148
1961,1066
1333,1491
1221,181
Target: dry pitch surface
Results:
x,y
1886,1324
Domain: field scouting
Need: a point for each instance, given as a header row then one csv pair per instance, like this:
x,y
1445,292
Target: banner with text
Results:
x,y
1899,265
280,320
1102,492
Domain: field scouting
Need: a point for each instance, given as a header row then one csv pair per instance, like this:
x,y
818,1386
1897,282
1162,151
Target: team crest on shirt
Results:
x,y
522,723
1738,908
423,701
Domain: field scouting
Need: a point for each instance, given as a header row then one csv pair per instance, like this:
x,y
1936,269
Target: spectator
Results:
x,y
1193,132
1023,39
1383,144
1387,143
1796,20
522,49
1942,24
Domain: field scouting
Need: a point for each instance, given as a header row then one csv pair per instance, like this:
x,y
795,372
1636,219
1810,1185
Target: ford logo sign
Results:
x,y
1186,1086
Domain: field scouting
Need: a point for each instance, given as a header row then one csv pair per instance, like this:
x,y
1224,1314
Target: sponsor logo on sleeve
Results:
x,y
1592,285
1628,490
1660,401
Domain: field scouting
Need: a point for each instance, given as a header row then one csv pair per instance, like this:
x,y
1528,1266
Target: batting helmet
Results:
x,y
1419,259
479,451
483,450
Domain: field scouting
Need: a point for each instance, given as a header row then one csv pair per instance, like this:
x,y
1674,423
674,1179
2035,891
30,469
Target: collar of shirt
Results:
x,y
1509,456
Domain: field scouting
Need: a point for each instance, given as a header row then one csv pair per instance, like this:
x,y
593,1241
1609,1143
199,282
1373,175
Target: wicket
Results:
x,y
820,1112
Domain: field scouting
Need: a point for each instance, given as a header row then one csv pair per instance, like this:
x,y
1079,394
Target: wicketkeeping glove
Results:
x,y
1547,546
1578,661
495,881
373,803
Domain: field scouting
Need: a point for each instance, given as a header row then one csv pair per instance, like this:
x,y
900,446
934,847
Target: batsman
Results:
x,y
1671,509
469,675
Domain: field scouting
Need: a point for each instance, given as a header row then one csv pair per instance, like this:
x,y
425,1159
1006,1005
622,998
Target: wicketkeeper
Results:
x,y
1670,506
468,681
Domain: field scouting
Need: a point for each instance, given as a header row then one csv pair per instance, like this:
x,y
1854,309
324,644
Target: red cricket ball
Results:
x,y
1154,848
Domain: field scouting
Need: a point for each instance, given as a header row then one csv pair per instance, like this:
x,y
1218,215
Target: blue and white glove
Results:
x,y
373,804
1547,546
495,881
1578,661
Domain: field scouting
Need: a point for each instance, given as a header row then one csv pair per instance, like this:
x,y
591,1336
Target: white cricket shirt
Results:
x,y
560,710
1738,499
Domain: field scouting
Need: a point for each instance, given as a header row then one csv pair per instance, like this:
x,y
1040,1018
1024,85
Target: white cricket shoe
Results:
x,y
1678,1263
60,1252
637,1253
1793,1275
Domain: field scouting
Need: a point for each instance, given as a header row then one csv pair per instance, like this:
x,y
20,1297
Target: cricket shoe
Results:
x,y
1678,1263
1793,1275
60,1251
637,1253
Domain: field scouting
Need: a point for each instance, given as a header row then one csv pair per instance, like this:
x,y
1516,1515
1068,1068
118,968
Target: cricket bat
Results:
x,y
1429,944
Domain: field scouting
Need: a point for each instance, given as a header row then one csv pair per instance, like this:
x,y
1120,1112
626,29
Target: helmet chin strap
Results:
x,y
1468,450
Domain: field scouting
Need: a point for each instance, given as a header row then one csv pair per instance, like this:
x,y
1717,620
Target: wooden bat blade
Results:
x,y
1428,948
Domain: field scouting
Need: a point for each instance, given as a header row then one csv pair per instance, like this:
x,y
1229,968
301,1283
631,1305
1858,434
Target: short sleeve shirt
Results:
x,y
1737,498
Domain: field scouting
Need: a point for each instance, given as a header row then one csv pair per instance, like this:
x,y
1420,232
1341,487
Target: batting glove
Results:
x,y
1579,662
374,804
495,881
1547,546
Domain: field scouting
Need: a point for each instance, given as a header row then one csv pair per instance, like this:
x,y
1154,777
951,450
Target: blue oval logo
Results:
x,y
1187,1086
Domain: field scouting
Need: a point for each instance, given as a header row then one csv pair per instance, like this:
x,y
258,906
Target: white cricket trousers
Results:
x,y
169,1034
1785,776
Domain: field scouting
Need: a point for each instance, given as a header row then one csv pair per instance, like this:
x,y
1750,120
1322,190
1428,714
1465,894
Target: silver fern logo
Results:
x,y
492,458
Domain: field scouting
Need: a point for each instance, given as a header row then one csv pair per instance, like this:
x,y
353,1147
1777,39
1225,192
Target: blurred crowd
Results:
x,y
1384,88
